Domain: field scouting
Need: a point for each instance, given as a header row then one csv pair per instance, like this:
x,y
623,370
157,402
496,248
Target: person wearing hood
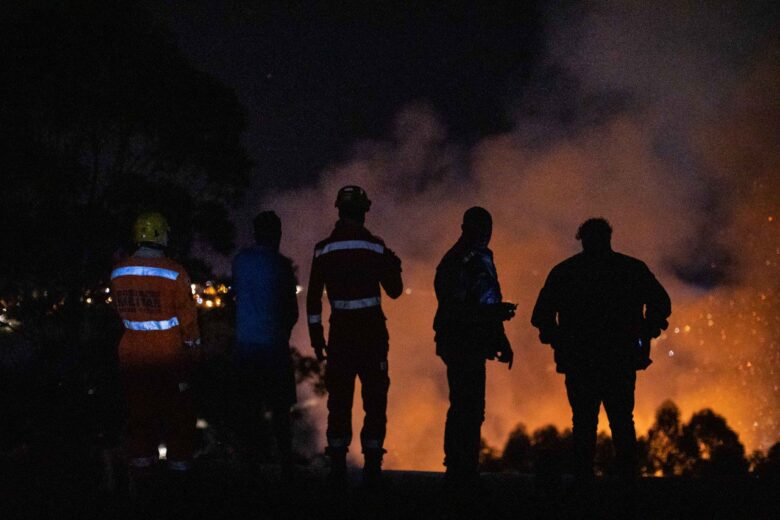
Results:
x,y
469,330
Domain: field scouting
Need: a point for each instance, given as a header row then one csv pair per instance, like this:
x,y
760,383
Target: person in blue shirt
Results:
x,y
264,284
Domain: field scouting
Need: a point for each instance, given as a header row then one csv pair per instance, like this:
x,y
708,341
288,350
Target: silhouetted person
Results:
x,y
266,310
352,264
469,330
598,310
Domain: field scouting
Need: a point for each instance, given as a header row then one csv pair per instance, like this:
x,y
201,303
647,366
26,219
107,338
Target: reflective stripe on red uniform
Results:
x,y
351,264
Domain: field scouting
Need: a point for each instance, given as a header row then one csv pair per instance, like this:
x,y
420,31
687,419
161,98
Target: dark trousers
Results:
x,y
264,380
586,392
159,410
340,377
466,378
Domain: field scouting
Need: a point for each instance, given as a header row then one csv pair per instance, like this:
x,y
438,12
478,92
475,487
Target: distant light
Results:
x,y
671,353
408,291
677,330
217,301
209,304
162,451
201,424
298,289
770,218
199,300
687,328
89,301
193,288
107,290
109,299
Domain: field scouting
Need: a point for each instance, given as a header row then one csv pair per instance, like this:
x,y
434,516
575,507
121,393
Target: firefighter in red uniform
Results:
x,y
153,297
351,264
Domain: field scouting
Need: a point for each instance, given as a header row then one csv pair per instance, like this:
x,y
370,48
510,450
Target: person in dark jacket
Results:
x,y
351,265
599,310
469,330
264,283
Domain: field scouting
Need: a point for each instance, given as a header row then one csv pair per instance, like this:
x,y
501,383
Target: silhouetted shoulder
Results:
x,y
630,263
373,238
572,263
173,265
243,254
286,263
322,243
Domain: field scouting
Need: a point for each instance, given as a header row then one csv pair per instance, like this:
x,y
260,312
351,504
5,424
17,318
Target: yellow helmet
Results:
x,y
151,227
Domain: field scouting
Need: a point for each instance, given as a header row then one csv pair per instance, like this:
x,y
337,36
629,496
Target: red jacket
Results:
x,y
154,300
350,265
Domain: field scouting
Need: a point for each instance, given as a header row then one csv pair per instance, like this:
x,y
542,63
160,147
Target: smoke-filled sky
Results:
x,y
662,118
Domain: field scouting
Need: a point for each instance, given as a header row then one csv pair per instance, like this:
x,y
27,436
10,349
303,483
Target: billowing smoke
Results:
x,y
664,121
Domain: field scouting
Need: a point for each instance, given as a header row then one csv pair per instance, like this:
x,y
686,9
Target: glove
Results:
x,y
508,310
317,335
506,354
192,343
193,353
503,311
392,259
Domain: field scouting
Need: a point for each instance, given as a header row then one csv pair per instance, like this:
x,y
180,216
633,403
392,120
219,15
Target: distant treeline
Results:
x,y
704,446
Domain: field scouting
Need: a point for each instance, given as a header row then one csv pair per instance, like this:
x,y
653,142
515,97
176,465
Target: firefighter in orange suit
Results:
x,y
350,265
153,297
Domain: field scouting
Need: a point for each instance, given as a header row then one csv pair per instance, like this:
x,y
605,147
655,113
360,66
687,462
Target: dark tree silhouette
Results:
x,y
767,466
517,451
489,458
103,116
665,455
550,453
713,445
604,461
705,446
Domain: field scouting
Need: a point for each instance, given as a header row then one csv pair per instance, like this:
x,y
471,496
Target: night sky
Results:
x,y
316,79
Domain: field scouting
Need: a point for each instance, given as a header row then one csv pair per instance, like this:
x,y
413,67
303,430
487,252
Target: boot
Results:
x,y
338,465
372,466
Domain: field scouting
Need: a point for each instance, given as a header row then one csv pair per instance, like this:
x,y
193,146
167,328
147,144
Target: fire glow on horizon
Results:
x,y
686,171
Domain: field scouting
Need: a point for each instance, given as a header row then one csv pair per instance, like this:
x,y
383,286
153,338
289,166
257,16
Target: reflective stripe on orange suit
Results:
x,y
145,292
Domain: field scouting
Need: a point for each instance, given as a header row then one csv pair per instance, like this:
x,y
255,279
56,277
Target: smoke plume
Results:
x,y
661,119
